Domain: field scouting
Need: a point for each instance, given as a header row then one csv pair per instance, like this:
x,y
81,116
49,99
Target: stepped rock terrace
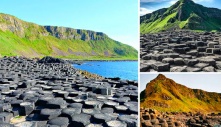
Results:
x,y
180,51
152,118
56,94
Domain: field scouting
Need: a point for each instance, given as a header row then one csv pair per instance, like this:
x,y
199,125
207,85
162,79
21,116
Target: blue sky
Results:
x,y
148,6
208,82
117,18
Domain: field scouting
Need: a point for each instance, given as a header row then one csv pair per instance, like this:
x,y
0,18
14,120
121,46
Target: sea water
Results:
x,y
127,70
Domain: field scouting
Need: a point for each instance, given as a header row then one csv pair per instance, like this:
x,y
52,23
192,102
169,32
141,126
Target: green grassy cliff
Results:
x,y
166,95
22,38
184,14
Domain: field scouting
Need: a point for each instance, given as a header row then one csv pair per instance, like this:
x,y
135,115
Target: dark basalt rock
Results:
x,y
168,50
75,105
101,118
94,125
56,103
121,109
47,114
49,59
5,117
68,112
59,121
6,125
129,120
133,110
107,110
80,120
91,111
93,104
26,124
51,93
26,108
151,117
110,104
115,123
4,107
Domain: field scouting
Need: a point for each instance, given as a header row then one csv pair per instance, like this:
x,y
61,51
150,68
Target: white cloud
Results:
x,y
144,11
173,2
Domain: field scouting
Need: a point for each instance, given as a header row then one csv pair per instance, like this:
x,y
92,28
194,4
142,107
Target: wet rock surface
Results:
x,y
153,118
180,51
56,94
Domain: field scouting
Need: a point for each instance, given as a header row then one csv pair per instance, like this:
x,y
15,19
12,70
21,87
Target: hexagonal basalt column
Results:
x,y
26,108
5,117
160,67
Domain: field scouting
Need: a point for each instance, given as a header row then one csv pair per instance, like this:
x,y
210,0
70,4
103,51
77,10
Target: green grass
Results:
x,y
182,99
183,24
18,117
182,16
32,40
12,45
157,25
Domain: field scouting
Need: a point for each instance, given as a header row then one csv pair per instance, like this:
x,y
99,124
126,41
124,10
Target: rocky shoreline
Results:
x,y
79,62
153,118
55,94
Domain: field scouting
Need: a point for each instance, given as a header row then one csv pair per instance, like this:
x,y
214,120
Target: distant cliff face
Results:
x,y
21,28
77,34
18,37
184,14
165,94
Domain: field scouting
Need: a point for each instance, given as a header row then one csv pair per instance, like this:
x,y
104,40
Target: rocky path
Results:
x,y
153,118
56,94
180,51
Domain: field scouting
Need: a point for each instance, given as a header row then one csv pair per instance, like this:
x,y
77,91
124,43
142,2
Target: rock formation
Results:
x,y
180,51
166,103
152,118
56,94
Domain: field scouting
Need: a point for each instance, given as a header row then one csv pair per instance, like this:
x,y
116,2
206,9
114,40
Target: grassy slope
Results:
x,y
194,18
12,45
183,99
30,41
157,25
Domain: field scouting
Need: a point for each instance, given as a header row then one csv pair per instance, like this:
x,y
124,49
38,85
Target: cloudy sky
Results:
x,y
117,18
148,6
209,82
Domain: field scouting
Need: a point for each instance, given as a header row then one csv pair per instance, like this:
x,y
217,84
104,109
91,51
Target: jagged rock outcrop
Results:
x,y
19,27
69,33
49,59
